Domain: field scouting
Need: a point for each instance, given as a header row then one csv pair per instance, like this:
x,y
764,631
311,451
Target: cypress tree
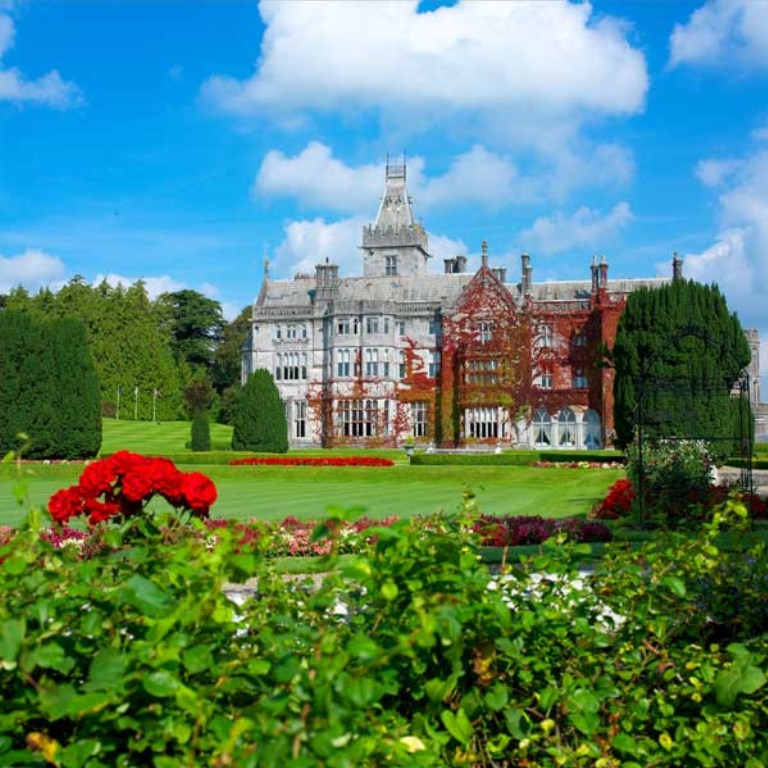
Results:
x,y
201,432
48,388
259,419
677,355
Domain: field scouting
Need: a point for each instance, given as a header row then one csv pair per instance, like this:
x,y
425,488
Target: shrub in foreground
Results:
x,y
408,654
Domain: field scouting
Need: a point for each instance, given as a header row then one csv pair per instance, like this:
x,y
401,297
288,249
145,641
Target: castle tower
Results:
x,y
394,244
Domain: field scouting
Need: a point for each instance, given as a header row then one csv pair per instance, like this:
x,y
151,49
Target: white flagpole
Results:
x,y
154,405
117,415
135,403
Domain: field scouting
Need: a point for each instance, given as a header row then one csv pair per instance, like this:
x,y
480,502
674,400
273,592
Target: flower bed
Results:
x,y
579,464
509,531
314,461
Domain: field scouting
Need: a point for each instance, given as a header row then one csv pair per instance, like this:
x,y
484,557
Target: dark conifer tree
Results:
x,y
677,355
259,419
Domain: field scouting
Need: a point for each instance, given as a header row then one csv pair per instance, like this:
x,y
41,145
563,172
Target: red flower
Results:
x,y
198,492
65,504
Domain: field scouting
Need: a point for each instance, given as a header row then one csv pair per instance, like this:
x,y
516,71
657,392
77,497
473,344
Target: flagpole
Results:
x,y
154,405
135,403
117,415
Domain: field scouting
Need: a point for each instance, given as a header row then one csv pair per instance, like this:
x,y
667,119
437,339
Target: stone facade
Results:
x,y
450,359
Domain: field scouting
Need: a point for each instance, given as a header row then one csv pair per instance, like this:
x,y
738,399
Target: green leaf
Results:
x,y
107,671
161,683
145,595
675,585
389,590
497,697
623,742
11,639
197,658
458,726
729,683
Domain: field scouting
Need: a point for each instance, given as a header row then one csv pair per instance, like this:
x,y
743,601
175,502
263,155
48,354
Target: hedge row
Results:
x,y
514,458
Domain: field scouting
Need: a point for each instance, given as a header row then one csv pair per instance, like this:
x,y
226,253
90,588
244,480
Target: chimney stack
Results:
x,y
527,274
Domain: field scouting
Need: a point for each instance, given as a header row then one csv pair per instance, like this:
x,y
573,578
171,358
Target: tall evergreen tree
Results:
x,y
259,421
49,389
677,355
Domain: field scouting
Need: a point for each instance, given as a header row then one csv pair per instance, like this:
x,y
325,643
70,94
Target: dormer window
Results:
x,y
390,265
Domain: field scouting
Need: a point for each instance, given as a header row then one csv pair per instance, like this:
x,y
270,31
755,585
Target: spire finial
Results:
x,y
484,249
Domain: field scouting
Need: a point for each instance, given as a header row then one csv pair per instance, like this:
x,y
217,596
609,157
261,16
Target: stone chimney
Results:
x,y
500,273
603,273
526,273
461,264
595,275
326,281
677,267
484,251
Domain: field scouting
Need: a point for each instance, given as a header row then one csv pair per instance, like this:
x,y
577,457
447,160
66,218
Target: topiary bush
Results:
x,y
201,432
259,419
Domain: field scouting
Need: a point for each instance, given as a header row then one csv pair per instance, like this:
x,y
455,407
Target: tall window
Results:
x,y
290,366
347,325
401,327
390,265
482,372
592,438
342,363
545,336
434,364
371,324
542,428
300,419
482,423
420,416
484,332
277,332
545,378
386,363
433,326
579,378
401,364
371,362
579,339
292,332
566,425
357,418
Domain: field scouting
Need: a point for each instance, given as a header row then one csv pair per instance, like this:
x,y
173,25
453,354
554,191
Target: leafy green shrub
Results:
x,y
676,479
408,654
512,459
201,432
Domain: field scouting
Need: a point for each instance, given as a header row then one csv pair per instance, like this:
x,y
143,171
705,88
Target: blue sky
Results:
x,y
184,142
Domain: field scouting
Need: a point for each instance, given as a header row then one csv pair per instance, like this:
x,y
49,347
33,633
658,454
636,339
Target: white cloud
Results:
x,y
738,259
308,243
713,173
478,177
524,64
586,227
50,89
32,269
315,178
733,32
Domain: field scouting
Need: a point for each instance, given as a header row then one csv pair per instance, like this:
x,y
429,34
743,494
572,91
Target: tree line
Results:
x,y
164,358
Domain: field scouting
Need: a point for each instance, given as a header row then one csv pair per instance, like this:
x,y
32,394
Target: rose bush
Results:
x,y
121,486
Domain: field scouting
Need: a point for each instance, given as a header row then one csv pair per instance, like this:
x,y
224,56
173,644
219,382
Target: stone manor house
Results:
x,y
450,359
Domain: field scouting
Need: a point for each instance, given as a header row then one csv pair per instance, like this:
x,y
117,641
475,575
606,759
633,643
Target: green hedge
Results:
x,y
513,458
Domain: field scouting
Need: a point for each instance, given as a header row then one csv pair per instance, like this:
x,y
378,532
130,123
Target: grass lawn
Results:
x,y
272,493
155,438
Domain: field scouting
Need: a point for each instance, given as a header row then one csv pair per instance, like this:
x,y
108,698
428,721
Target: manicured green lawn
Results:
x,y
155,438
272,493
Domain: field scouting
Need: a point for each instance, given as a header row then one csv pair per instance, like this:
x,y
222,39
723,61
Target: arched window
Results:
x,y
566,422
592,429
542,428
